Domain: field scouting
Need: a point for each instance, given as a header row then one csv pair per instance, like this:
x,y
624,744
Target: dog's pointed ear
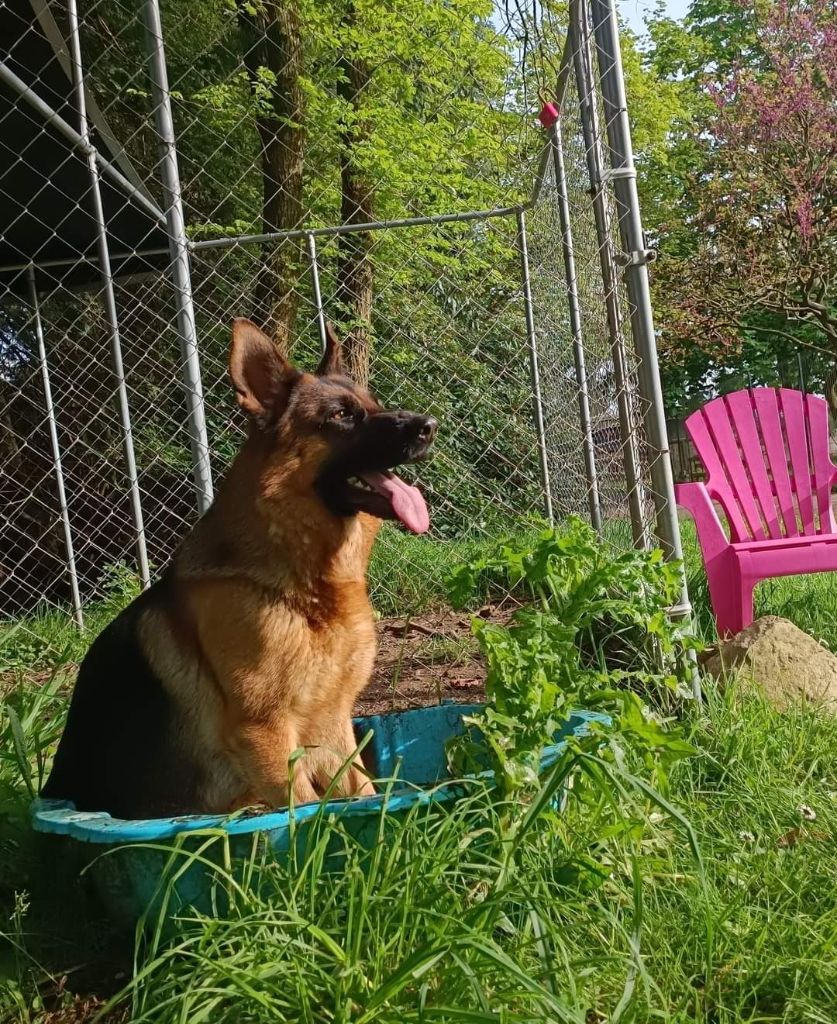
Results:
x,y
260,374
332,361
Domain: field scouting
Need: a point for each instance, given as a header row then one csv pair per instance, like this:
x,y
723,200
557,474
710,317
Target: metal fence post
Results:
x,y
568,252
78,615
636,273
179,252
315,286
532,339
604,233
108,294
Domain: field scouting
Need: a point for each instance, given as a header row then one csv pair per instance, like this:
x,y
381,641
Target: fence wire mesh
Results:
x,y
598,450
287,123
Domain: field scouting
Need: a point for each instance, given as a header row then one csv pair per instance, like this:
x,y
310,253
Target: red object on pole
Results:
x,y
549,114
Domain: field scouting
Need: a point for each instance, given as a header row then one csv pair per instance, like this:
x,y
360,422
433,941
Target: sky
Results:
x,y
633,11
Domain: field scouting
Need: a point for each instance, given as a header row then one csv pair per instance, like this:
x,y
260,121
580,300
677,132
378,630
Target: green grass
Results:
x,y
770,872
408,574
607,915
604,908
48,639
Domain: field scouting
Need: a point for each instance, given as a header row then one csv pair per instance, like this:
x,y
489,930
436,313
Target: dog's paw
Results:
x,y
364,786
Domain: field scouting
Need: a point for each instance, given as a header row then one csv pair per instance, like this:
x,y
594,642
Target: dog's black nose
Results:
x,y
427,427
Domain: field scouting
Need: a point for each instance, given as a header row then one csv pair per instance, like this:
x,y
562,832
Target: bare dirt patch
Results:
x,y
427,659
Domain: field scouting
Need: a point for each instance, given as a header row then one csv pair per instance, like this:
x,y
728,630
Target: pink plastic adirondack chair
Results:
x,y
765,452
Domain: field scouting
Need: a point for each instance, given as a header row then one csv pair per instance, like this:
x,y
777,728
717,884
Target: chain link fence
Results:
x,y
166,170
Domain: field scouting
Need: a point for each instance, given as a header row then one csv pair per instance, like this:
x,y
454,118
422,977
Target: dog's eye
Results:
x,y
338,414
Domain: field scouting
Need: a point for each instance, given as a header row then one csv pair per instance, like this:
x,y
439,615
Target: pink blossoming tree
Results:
x,y
767,195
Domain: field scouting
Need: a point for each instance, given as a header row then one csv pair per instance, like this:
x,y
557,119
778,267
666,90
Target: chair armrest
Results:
x,y
695,499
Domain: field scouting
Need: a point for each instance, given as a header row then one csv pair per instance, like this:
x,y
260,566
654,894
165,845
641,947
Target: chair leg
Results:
x,y
731,593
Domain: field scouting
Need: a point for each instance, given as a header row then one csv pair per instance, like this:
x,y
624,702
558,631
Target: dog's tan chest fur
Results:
x,y
285,664
282,655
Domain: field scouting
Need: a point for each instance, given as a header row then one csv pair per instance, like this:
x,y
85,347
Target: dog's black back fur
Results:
x,y
121,718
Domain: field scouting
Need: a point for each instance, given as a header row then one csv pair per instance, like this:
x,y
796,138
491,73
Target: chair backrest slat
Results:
x,y
793,415
770,421
718,483
743,415
717,415
766,454
817,415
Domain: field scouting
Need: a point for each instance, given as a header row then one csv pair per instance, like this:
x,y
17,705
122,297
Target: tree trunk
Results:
x,y
355,272
273,57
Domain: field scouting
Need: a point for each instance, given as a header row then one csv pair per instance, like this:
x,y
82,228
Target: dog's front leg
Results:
x,y
237,637
331,743
358,781
263,751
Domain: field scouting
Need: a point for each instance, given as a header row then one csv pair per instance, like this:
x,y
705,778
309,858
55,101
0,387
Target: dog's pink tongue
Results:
x,y
407,502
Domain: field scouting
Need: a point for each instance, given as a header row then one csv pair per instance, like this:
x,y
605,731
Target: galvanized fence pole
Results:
x,y
34,302
568,252
109,297
534,371
179,252
604,234
315,287
633,240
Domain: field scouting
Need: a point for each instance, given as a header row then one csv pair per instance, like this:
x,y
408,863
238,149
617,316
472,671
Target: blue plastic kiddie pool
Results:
x,y
407,745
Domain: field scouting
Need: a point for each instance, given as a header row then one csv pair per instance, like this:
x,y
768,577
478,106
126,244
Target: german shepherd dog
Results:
x,y
259,636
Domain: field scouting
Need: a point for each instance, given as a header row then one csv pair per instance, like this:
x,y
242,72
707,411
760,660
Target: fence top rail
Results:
x,y
230,241
347,229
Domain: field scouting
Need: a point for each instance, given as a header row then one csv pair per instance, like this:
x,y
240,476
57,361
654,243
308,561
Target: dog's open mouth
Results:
x,y
389,497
